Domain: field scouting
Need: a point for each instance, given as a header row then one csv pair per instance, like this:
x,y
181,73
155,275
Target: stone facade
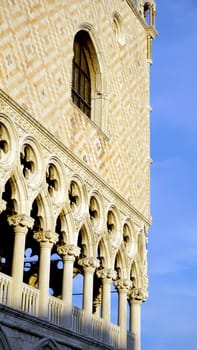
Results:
x,y
74,190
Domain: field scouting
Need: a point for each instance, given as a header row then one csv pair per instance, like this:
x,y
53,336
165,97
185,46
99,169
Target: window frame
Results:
x,y
98,76
81,77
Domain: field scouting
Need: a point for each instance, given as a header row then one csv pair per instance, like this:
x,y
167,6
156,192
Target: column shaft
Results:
x,y
68,280
88,289
122,317
68,253
67,289
20,224
135,322
106,299
17,266
89,265
44,275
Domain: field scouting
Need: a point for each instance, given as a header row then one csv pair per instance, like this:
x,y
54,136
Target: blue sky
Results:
x,y
169,317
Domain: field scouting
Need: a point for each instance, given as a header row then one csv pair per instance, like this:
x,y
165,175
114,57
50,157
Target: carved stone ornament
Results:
x,y
70,249
46,236
20,220
89,262
107,274
123,284
140,294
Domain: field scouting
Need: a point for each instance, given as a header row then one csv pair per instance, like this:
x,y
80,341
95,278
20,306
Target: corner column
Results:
x,y
68,253
46,239
123,285
136,298
21,224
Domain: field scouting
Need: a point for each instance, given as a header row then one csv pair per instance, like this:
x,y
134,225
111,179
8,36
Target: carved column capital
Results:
x,y
139,294
89,263
45,237
123,284
20,221
107,274
68,250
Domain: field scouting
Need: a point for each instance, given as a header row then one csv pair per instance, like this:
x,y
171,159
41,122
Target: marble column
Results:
x,y
149,47
20,224
107,275
89,265
137,296
68,253
46,239
123,286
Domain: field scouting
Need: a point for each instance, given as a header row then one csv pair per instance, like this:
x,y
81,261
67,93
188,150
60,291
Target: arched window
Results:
x,y
81,82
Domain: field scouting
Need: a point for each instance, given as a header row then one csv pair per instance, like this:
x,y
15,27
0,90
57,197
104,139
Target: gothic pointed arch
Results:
x,y
4,343
105,253
86,240
46,344
56,263
6,232
121,263
135,275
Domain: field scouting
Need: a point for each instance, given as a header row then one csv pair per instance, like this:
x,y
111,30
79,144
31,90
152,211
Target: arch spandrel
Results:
x,y
45,212
46,344
87,239
67,225
105,253
4,343
121,264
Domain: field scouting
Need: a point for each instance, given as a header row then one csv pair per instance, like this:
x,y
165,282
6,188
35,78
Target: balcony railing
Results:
x,y
30,297
5,289
30,305
55,310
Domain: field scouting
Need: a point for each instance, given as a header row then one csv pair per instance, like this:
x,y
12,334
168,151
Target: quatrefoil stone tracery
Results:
x,y
27,159
4,146
52,180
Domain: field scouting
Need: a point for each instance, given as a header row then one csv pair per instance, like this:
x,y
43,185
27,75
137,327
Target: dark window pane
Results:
x,y
81,83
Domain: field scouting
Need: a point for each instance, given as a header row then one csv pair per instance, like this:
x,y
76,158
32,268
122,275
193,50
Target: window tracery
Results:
x,y
51,179
3,141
